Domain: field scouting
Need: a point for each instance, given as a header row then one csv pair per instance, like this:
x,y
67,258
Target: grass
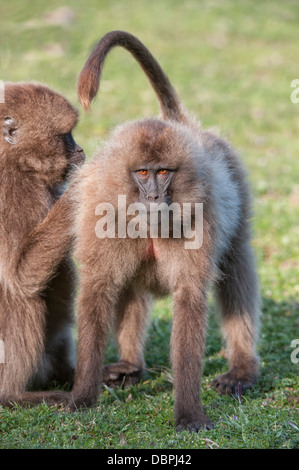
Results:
x,y
232,64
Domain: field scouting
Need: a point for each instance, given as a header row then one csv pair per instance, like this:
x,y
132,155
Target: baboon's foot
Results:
x,y
233,384
79,402
121,374
194,424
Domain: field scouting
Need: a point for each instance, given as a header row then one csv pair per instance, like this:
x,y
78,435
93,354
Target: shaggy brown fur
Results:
x,y
36,153
118,273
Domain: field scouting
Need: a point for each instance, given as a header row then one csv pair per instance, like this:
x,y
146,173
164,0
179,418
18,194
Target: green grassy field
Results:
x,y
232,64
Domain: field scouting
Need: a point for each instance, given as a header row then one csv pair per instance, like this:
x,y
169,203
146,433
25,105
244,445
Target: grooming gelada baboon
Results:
x,y
37,151
162,160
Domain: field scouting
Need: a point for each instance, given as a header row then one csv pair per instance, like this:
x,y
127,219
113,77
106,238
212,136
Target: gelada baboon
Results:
x,y
37,151
168,160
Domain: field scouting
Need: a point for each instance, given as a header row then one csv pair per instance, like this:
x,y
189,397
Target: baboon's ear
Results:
x,y
10,130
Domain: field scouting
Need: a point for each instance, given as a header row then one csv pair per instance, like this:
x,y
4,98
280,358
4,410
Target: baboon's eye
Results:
x,y
143,172
163,171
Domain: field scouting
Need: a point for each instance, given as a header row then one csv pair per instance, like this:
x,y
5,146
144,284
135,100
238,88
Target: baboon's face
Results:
x,y
153,182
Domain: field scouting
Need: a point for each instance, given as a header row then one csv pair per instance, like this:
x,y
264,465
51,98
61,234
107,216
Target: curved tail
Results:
x,y
89,78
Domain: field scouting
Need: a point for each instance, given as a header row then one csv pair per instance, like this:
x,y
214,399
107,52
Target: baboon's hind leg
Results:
x,y
238,297
130,325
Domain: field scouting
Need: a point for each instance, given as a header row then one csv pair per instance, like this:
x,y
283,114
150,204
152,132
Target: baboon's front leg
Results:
x,y
95,309
187,349
131,318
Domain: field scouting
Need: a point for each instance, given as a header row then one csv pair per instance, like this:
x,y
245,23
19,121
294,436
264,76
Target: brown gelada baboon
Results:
x,y
167,160
37,151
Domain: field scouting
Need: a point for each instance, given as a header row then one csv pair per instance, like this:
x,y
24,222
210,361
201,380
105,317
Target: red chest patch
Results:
x,y
151,252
